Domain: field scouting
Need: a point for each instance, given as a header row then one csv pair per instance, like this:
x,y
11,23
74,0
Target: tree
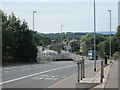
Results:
x,y
26,49
17,40
88,42
41,40
75,46
7,38
104,47
19,43
101,48
118,37
118,41
114,44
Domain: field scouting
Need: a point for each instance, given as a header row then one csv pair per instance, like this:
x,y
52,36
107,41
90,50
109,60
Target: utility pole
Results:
x,y
94,37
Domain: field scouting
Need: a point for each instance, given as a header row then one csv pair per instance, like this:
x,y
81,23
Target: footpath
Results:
x,y
110,79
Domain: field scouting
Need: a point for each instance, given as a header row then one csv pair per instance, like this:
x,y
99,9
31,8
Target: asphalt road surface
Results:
x,y
40,75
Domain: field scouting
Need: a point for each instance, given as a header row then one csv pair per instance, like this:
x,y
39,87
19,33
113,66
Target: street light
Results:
x,y
110,33
33,32
61,28
94,38
61,36
33,19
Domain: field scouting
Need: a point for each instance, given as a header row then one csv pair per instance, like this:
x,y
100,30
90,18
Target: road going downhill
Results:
x,y
40,75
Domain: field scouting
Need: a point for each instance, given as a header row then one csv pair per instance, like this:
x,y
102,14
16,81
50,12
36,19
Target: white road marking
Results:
x,y
45,77
64,76
55,78
35,74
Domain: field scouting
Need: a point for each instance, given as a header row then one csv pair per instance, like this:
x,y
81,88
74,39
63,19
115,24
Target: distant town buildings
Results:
x,y
59,50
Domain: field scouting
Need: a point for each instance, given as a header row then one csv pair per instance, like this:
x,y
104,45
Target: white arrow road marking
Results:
x,y
35,74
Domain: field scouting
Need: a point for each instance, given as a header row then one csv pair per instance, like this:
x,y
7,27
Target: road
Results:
x,y
40,75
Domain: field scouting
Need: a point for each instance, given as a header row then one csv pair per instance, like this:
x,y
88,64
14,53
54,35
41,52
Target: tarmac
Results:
x,y
110,79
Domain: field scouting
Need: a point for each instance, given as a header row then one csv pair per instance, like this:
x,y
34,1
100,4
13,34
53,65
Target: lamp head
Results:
x,y
62,25
34,11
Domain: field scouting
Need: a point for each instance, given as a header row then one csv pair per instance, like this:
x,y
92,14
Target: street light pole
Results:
x,y
33,19
94,38
61,36
33,32
110,33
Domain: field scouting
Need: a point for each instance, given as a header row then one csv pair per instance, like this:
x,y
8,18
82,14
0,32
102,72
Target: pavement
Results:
x,y
110,79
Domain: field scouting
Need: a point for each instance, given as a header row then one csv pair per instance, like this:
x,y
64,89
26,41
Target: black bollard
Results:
x,y
83,68
78,71
101,72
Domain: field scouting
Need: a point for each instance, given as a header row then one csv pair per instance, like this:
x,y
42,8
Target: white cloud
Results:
x,y
75,16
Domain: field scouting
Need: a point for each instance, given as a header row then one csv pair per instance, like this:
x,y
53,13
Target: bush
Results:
x,y
116,55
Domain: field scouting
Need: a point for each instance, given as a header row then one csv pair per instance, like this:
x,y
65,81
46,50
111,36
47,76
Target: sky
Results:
x,y
75,15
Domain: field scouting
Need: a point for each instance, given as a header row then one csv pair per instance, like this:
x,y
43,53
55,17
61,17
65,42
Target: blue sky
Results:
x,y
76,16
